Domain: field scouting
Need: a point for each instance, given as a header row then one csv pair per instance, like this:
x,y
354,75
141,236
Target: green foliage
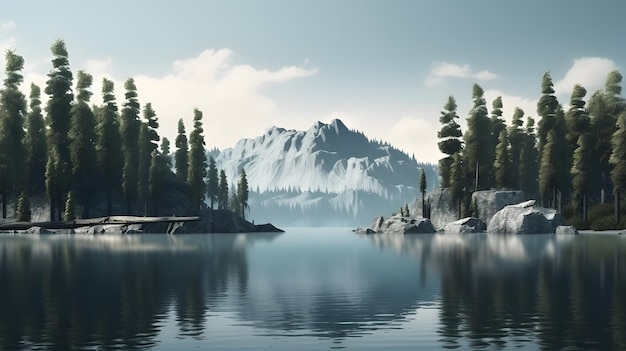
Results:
x,y
222,194
450,142
422,182
108,145
497,122
12,109
516,144
23,213
242,193
70,206
165,147
82,136
35,144
457,178
129,132
197,160
147,146
181,155
212,182
618,155
159,170
478,154
502,164
546,109
529,162
581,169
60,97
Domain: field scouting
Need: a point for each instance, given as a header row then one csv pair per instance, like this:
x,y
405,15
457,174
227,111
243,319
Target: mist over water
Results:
x,y
312,289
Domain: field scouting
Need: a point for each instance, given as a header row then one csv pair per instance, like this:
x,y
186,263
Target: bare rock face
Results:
x,y
399,225
442,209
466,225
524,218
566,230
491,201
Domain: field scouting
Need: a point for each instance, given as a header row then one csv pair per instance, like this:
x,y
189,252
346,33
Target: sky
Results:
x,y
385,68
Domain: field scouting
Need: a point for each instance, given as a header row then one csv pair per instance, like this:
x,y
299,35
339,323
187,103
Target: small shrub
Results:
x,y
577,222
608,223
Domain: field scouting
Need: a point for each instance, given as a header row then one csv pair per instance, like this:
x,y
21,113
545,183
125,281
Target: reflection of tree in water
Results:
x,y
512,290
63,294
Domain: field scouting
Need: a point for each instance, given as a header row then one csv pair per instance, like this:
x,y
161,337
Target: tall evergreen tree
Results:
x,y
478,151
108,146
502,163
422,191
212,181
165,149
12,111
23,213
618,161
70,205
497,124
457,181
82,138
546,109
35,144
516,142
450,140
57,174
222,195
181,156
60,97
577,120
129,131
243,193
529,162
581,170
148,143
197,160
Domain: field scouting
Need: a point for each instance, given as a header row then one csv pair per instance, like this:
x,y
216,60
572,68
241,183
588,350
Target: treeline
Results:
x,y
78,149
574,158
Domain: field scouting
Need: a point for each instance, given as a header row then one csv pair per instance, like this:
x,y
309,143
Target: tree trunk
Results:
x,y
585,208
476,183
617,204
4,205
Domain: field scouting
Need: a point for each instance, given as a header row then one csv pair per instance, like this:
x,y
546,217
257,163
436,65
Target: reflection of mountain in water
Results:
x,y
559,292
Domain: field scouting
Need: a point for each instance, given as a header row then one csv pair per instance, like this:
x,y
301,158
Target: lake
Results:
x,y
312,289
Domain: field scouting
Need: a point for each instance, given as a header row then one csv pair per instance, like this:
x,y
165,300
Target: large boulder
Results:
x,y
466,225
399,225
524,218
566,230
443,209
491,201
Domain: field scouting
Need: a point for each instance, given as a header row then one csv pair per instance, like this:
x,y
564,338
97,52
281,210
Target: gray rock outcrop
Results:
x,y
524,218
399,225
466,225
566,230
442,209
491,201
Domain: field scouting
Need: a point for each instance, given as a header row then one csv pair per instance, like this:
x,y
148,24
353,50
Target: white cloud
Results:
x,y
442,70
590,72
7,25
414,135
510,102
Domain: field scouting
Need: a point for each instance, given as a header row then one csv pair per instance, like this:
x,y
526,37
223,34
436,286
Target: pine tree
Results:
x,y
35,144
12,111
457,181
108,146
497,124
546,108
423,190
60,97
222,195
547,171
57,174
197,160
577,120
181,156
529,162
502,164
129,132
581,170
516,142
243,193
148,138
212,181
165,148
450,143
478,151
23,213
82,137
69,207
618,161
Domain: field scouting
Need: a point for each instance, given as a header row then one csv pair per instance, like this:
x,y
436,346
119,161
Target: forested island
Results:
x,y
90,160
573,161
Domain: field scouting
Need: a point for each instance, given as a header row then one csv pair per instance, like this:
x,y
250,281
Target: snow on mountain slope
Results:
x,y
327,166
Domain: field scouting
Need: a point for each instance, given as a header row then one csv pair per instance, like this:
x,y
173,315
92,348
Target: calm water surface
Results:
x,y
311,289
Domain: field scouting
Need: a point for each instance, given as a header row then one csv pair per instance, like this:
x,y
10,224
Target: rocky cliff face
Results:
x,y
326,175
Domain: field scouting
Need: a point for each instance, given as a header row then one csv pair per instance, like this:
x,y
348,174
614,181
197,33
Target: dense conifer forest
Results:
x,y
71,150
573,161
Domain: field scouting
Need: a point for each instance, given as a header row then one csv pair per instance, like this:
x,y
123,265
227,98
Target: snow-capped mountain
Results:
x,y
327,175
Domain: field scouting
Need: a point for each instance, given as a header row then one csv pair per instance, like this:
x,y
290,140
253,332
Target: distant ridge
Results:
x,y
326,175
